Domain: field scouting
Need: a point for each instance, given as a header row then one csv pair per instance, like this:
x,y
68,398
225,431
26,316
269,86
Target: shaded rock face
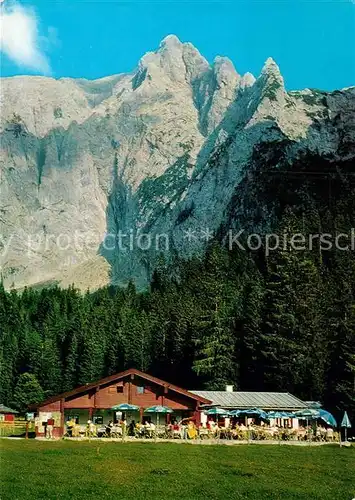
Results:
x,y
98,178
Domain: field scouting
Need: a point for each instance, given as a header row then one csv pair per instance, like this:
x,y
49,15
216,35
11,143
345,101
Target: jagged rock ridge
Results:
x,y
160,151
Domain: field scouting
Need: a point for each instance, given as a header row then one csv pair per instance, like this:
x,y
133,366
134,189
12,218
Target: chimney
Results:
x,y
229,388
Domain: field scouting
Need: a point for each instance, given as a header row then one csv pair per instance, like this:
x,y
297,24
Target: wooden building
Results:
x,y
7,414
94,401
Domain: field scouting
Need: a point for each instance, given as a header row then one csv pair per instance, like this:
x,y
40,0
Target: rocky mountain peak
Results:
x,y
247,80
160,150
271,73
177,61
225,71
170,42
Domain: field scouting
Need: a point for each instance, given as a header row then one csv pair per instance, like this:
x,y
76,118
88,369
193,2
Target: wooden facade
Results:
x,y
132,386
7,414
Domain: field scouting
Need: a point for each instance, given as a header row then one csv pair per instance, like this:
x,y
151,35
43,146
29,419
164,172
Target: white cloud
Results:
x,y
19,38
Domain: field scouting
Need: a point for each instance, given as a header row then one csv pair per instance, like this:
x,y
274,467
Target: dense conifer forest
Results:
x,y
284,322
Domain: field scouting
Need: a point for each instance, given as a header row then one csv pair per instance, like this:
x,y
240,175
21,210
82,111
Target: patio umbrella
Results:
x,y
346,423
308,414
234,413
125,407
328,418
276,414
288,414
220,412
157,410
254,412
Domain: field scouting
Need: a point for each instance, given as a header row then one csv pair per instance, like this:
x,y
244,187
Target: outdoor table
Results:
x,y
116,431
161,431
176,434
203,432
82,430
76,431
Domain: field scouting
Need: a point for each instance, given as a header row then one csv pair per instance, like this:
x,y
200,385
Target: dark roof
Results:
x,y
6,409
118,376
243,400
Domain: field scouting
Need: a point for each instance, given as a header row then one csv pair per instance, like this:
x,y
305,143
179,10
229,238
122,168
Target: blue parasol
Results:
x,y
328,418
157,410
220,412
308,414
125,407
254,412
346,423
276,414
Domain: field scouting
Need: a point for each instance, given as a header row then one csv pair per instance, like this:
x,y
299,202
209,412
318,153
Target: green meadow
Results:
x,y
98,470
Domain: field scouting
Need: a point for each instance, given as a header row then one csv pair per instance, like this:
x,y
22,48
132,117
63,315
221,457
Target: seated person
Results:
x,y
191,430
108,428
131,428
150,428
329,433
70,427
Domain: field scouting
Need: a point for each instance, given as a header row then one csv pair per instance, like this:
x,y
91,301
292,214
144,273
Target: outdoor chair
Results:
x,y
76,431
82,430
176,433
226,433
161,432
243,435
101,432
259,434
148,433
139,432
116,431
285,435
293,435
91,431
329,435
203,433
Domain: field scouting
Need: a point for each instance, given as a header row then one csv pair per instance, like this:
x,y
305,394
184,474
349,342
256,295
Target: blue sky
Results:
x,y
312,41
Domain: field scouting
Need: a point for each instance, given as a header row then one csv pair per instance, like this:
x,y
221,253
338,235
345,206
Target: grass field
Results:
x,y
83,470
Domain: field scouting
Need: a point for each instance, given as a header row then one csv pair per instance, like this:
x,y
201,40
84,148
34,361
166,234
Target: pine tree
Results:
x,y
251,369
215,358
27,391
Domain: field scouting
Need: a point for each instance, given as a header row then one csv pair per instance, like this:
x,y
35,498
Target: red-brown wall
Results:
x,y
51,407
80,401
9,417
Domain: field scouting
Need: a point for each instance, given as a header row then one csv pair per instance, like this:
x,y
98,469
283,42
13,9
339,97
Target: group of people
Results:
x,y
187,429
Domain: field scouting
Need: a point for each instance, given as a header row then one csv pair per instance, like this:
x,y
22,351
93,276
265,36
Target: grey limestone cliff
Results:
x,y
97,178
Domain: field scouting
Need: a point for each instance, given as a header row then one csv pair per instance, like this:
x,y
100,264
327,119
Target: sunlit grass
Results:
x,y
84,470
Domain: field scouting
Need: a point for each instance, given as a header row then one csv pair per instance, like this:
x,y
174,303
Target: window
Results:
x,y
140,389
98,419
113,389
73,417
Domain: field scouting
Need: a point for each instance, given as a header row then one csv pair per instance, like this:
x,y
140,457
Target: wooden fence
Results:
x,y
16,428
